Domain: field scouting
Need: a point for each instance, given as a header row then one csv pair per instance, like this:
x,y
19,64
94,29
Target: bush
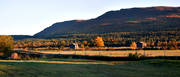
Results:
x,y
14,56
135,56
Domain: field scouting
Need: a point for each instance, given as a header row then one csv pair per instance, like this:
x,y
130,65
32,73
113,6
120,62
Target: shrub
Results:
x,y
14,56
135,56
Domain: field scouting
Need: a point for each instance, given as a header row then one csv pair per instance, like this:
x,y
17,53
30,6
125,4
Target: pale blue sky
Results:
x,y
28,17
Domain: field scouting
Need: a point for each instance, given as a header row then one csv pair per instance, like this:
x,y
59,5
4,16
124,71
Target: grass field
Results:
x,y
89,68
122,53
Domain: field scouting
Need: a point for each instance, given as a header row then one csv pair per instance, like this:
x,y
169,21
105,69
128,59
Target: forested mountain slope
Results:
x,y
148,19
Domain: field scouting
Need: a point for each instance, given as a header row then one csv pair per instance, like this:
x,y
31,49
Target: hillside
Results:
x,y
148,19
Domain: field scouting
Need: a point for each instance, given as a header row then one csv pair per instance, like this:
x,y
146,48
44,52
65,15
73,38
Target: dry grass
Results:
x,y
124,53
58,62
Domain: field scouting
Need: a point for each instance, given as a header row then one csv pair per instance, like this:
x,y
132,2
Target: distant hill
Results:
x,y
21,37
148,19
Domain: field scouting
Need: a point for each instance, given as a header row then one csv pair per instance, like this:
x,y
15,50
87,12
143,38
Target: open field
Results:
x,y
123,53
87,68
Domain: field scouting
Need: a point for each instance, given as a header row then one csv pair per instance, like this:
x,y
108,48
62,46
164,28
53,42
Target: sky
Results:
x,y
27,17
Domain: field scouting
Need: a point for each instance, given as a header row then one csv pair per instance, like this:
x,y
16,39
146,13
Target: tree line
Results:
x,y
153,40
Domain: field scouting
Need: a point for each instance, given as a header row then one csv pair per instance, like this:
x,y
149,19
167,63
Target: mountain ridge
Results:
x,y
145,19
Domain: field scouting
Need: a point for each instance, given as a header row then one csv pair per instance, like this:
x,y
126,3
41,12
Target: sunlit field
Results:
x,y
123,53
89,68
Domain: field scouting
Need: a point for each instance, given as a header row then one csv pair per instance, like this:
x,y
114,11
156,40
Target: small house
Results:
x,y
74,46
141,44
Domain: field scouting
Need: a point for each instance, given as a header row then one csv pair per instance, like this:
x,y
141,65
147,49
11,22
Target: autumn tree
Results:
x,y
6,45
99,42
85,43
172,44
133,45
62,44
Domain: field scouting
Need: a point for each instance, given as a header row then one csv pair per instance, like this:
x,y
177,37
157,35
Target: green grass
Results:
x,y
146,68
